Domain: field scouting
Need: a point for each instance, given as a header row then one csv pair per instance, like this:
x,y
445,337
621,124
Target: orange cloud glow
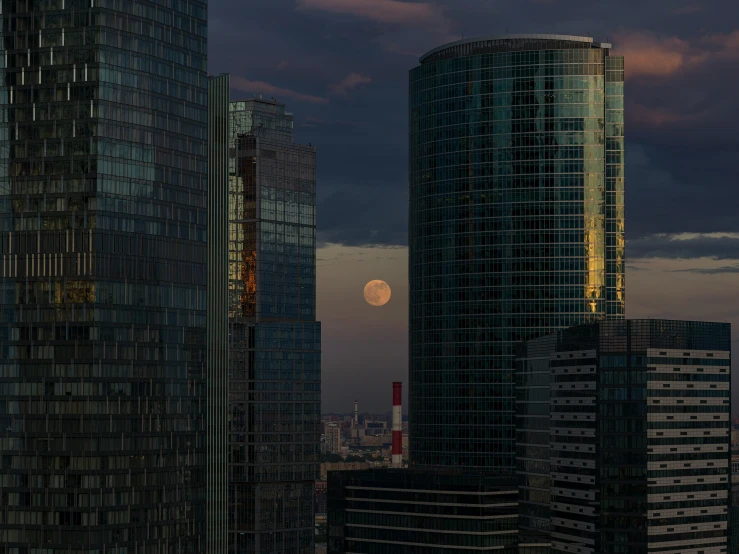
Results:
x,y
260,87
651,117
382,11
650,56
646,55
349,83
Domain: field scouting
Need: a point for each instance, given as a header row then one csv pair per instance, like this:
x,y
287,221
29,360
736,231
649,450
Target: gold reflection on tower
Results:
x,y
249,280
594,235
242,232
620,249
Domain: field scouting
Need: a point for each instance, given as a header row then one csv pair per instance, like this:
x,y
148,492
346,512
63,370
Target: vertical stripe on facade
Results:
x,y
217,320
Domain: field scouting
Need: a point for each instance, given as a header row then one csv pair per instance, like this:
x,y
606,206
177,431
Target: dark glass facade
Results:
x,y
219,97
274,340
516,226
734,520
408,511
102,276
533,384
638,459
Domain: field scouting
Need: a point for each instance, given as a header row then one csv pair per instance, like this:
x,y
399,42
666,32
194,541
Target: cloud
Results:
x,y
381,11
711,270
352,217
283,65
350,83
687,9
650,55
727,44
715,246
260,87
653,117
338,124
312,121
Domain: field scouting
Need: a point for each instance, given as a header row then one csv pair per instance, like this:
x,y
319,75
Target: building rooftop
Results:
x,y
503,43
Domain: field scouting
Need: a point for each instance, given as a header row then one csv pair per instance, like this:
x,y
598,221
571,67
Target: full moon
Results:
x,y
377,293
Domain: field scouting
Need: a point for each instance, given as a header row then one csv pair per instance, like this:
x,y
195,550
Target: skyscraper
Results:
x,y
102,268
516,226
734,518
637,418
273,338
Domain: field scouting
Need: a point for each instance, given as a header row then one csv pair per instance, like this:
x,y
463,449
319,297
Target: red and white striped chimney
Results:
x,y
397,424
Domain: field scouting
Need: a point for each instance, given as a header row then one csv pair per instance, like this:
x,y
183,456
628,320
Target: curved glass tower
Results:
x,y
516,227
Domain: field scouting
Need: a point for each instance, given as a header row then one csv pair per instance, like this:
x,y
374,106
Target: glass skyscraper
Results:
x,y
102,276
273,337
516,226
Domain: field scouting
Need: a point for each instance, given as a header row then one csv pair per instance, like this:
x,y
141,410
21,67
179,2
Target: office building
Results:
x,y
734,519
631,419
400,511
516,229
516,226
332,435
102,277
341,466
273,339
321,502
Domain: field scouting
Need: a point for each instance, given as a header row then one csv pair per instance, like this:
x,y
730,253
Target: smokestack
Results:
x,y
397,424
356,413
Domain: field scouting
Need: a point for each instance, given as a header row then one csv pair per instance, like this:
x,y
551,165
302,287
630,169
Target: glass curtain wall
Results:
x,y
274,338
102,276
515,226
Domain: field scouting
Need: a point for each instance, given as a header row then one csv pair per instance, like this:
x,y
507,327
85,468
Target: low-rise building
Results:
x,y
386,511
341,466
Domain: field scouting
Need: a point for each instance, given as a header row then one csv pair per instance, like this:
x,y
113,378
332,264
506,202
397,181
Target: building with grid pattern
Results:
x,y
516,226
734,520
102,276
637,418
267,214
413,511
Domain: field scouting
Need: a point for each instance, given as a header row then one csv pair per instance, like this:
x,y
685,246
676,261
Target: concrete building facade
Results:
x,y
637,418
332,436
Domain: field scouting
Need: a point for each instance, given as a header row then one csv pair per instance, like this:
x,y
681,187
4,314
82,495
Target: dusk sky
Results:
x,y
341,66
